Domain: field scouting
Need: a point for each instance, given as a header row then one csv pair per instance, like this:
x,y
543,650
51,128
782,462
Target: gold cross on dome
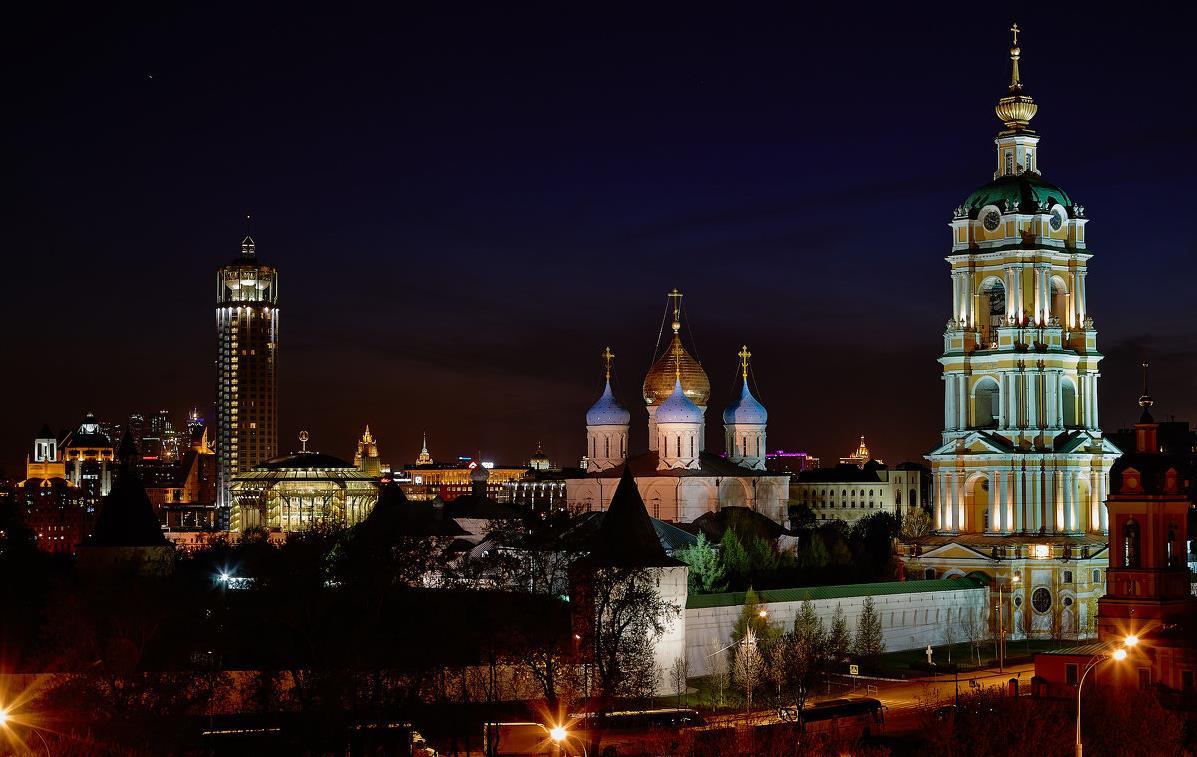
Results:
x,y
607,356
676,296
744,355
1015,30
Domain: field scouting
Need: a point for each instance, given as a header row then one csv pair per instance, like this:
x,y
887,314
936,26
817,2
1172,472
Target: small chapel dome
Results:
x,y
607,411
745,410
678,408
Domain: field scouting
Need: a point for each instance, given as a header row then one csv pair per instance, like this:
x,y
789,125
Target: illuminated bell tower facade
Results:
x,y
247,368
1022,451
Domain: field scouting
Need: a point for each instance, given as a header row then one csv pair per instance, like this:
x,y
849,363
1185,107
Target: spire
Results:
x,y
248,249
1145,400
607,356
1015,52
744,355
626,537
1016,109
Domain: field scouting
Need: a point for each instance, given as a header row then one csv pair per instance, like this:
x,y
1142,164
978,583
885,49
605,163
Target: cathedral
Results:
x,y
1021,473
678,478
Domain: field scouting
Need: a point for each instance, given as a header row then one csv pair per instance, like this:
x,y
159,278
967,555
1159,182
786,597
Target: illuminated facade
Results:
x,y
678,479
860,456
366,457
1020,476
299,491
89,459
51,506
247,368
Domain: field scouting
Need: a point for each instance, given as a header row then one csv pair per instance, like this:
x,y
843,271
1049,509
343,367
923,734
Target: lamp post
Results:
x,y
559,735
4,718
1117,655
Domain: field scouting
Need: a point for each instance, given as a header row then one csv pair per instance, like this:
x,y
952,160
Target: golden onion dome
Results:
x,y
659,382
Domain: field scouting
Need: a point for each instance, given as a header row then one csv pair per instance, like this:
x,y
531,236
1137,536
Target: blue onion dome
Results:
x,y
607,411
746,409
678,408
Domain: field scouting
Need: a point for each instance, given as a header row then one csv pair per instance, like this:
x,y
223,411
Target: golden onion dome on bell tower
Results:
x,y
676,364
1016,109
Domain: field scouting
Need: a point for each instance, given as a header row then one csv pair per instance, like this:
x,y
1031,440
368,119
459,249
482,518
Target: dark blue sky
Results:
x,y
466,205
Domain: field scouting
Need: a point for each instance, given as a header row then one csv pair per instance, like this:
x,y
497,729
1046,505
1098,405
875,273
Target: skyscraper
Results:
x,y
246,368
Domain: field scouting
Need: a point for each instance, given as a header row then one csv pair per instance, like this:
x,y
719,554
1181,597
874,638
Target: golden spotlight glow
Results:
x,y
1130,641
763,613
3,717
1119,654
557,733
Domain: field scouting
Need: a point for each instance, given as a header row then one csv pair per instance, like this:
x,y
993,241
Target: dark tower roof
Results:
x,y
45,433
127,452
394,517
126,516
626,537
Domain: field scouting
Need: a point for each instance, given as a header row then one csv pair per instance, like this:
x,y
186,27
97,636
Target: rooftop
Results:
x,y
843,591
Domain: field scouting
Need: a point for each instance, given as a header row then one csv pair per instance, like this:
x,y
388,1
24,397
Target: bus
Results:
x,y
670,718
861,716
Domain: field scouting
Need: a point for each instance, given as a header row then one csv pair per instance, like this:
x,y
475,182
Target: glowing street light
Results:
x,y
559,734
3,717
1118,655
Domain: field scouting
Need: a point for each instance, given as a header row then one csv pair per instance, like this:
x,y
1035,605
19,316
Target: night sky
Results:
x,y
465,206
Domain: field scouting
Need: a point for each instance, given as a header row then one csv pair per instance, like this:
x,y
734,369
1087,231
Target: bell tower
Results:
x,y
1022,450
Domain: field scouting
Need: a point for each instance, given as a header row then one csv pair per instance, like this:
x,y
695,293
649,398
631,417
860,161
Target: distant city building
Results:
x,y
678,479
366,458
427,479
51,506
860,456
539,461
849,493
299,491
187,480
246,367
781,461
89,457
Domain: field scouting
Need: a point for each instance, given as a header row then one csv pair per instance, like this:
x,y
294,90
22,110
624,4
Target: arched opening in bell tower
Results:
x,y
1059,300
976,503
1067,403
987,403
994,298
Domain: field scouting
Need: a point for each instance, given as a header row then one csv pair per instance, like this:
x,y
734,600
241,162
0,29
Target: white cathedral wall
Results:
x,y
908,621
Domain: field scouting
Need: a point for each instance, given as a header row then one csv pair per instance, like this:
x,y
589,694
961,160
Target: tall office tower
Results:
x,y
246,368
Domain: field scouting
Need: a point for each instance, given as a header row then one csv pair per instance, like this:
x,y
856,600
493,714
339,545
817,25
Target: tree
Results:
x,y
839,640
869,642
630,615
815,556
751,618
707,574
680,675
975,630
916,523
734,557
805,656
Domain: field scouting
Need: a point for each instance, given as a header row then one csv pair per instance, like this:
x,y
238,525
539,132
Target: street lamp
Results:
x,y
559,735
1118,655
4,718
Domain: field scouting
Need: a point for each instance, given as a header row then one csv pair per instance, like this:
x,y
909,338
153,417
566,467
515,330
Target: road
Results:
x,y
903,700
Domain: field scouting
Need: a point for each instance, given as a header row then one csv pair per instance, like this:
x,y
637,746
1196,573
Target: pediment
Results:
x,y
976,443
952,551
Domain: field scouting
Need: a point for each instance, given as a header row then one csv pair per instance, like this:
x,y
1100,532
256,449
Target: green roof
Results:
x,y
1025,192
843,591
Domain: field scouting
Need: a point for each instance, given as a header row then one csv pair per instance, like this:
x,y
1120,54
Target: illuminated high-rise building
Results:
x,y
246,368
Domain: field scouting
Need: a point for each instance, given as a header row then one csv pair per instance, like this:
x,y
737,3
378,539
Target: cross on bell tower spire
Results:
x,y
744,355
